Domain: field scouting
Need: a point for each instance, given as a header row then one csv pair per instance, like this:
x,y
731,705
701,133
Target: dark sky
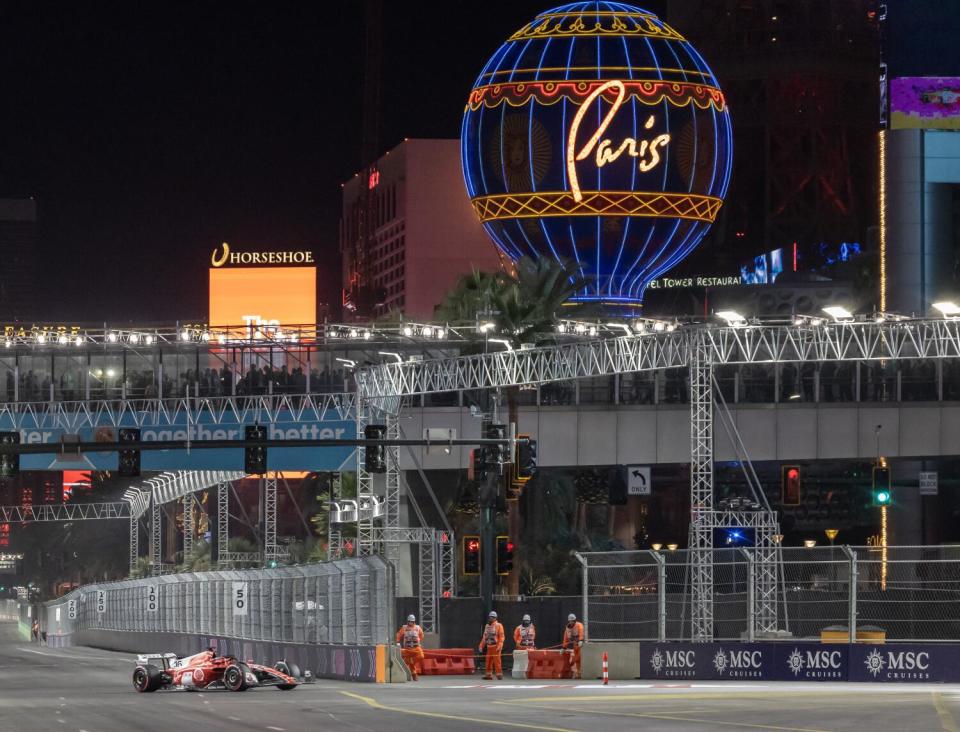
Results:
x,y
149,133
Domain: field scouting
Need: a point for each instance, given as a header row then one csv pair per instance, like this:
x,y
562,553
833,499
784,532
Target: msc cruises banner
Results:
x,y
285,426
801,661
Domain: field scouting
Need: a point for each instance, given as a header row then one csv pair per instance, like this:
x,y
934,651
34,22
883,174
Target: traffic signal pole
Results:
x,y
488,540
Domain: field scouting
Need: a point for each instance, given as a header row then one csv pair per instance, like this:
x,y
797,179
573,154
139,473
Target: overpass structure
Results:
x,y
699,348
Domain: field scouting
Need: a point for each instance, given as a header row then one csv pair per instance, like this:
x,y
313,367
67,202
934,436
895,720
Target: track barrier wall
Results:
x,y
328,617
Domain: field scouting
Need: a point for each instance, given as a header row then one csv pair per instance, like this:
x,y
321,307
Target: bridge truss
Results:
x,y
699,348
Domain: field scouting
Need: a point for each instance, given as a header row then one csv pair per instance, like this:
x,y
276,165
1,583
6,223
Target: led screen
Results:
x,y
264,297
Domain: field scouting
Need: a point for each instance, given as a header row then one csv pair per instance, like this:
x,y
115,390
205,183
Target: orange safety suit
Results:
x,y
492,641
410,638
573,637
525,637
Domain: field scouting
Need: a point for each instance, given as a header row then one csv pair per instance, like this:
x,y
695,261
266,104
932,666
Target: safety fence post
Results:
x,y
585,588
852,599
661,594
751,595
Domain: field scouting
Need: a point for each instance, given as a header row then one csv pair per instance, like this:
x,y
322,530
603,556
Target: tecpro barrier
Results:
x,y
798,661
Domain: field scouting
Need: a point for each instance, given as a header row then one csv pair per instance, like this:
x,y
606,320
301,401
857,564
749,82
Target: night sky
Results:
x,y
150,135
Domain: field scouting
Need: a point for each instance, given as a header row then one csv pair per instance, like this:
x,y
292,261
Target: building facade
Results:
x,y
408,232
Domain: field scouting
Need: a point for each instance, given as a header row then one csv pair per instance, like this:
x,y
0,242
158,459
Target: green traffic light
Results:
x,y
883,498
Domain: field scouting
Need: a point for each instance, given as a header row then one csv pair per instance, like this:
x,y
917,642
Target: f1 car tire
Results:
x,y
290,669
147,678
235,677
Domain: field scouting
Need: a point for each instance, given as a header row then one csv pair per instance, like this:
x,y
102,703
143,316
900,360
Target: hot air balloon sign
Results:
x,y
598,134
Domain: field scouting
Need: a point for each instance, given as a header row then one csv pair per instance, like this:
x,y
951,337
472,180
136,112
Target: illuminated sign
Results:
x,y
604,153
597,135
263,299
925,102
374,180
223,255
670,283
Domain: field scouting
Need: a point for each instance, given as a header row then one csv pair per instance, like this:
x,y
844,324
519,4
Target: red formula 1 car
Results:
x,y
207,670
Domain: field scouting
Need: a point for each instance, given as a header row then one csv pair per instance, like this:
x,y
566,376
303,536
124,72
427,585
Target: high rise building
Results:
x,y
18,243
408,231
801,79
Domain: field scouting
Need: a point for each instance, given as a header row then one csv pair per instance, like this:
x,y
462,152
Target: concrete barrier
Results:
x,y
623,658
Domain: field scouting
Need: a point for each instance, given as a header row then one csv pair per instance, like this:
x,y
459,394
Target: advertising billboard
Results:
x,y
925,102
262,297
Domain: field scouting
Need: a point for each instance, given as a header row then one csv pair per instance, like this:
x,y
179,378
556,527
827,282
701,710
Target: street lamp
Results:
x,y
657,547
831,534
672,547
809,543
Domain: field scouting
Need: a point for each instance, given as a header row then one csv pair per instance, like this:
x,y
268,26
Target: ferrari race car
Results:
x,y
207,670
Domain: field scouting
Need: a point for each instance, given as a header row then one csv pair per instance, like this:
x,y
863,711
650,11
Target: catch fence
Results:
x,y
342,602
910,593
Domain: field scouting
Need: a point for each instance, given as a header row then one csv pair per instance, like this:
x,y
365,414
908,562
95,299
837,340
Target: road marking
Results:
x,y
946,719
436,715
278,729
672,718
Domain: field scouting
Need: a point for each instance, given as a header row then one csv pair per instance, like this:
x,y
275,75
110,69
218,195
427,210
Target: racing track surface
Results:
x,y
77,689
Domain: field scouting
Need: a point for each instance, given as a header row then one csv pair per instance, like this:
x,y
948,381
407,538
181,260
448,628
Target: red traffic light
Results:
x,y
473,545
509,546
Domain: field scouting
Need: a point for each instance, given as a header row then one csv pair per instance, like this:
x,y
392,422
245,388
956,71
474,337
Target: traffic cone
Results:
x,y
606,670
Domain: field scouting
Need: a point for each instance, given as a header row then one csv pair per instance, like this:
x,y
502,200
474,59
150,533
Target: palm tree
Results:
x,y
523,307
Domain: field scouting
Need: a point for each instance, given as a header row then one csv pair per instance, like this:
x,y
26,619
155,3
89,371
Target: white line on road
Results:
x,y
278,729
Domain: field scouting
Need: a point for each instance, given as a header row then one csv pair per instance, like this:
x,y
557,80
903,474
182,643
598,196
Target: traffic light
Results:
x,y
375,456
255,456
504,555
478,464
471,555
9,462
526,458
129,459
881,486
497,454
790,485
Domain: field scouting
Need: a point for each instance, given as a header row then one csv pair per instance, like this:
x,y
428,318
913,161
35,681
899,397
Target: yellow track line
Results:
x,y
436,715
669,717
946,719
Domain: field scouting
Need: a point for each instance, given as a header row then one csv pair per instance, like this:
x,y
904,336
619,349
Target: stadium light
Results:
x,y
947,308
408,331
732,317
504,341
838,312
486,327
391,353
626,328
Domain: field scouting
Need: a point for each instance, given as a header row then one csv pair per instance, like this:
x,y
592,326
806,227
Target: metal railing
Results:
x,y
910,593
343,602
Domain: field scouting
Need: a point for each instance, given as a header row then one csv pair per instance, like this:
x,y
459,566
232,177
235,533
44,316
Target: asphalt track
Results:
x,y
82,689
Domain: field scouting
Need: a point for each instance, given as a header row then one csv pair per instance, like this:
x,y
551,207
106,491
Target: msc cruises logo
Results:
x,y
738,663
222,255
673,663
898,664
815,664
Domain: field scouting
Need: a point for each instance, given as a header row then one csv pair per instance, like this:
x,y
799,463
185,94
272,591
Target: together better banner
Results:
x,y
284,426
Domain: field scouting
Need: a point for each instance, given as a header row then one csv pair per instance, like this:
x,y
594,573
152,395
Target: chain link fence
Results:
x,y
908,593
9,611
343,602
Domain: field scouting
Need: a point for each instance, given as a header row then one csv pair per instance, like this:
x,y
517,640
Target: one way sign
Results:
x,y
638,480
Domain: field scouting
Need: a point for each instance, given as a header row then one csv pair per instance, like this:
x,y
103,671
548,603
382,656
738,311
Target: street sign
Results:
x,y
101,602
928,483
71,609
152,600
239,599
638,480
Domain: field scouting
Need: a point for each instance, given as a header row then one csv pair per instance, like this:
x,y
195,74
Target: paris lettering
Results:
x,y
646,151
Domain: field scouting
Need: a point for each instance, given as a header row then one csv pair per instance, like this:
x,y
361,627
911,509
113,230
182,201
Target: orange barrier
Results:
x,y
548,665
448,662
